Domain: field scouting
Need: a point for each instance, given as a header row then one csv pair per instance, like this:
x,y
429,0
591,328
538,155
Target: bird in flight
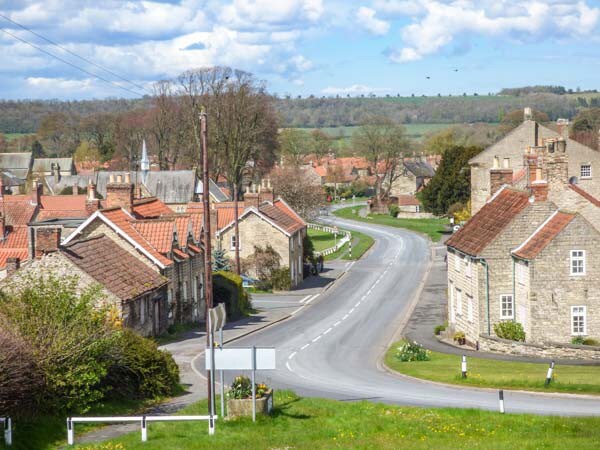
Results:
x,y
429,78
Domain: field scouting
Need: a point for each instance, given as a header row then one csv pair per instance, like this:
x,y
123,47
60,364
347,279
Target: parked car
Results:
x,y
248,282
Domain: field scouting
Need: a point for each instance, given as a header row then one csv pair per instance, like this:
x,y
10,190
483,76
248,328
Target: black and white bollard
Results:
x,y
501,399
70,432
7,431
211,425
549,374
464,366
350,248
144,429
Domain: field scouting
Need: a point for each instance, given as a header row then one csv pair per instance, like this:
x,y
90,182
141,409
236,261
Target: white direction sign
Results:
x,y
241,359
217,317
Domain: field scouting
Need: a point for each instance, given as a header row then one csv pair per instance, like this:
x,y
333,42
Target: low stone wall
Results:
x,y
550,350
415,215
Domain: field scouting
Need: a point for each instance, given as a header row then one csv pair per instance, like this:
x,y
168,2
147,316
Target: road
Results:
x,y
333,347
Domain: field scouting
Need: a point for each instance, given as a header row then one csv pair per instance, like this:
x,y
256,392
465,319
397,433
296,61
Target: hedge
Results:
x,y
228,289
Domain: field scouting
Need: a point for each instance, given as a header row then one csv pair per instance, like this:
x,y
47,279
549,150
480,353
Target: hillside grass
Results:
x,y
413,130
434,228
313,424
11,136
491,373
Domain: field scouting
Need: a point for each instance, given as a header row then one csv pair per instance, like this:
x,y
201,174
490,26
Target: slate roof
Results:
x,y
419,168
541,237
67,181
45,164
170,186
215,191
18,164
489,221
110,265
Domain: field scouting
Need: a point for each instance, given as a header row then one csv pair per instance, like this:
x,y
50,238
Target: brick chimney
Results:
x,y
500,176
539,190
266,192
252,198
213,221
119,192
47,241
75,188
12,265
555,164
92,204
37,191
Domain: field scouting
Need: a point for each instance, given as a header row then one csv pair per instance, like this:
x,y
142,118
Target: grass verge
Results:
x,y
311,423
434,228
322,240
492,373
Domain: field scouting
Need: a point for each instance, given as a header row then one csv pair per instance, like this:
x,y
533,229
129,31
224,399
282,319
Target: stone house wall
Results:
x,y
549,350
553,290
522,284
406,183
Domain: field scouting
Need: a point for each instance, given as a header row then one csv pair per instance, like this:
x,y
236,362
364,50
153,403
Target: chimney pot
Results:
x,y
119,178
111,178
506,163
127,178
496,162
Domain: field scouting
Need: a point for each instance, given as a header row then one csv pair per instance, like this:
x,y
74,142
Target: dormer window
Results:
x,y
585,171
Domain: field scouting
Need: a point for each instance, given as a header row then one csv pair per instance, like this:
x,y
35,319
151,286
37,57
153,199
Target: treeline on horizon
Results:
x,y
25,116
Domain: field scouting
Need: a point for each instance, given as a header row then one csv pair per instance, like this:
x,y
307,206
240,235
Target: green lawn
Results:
x,y
322,240
498,374
434,228
311,423
11,136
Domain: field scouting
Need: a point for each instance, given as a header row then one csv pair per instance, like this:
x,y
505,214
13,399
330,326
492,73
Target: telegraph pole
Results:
x,y
208,291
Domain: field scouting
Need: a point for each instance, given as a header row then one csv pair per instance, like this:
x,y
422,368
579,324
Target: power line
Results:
x,y
112,83
75,54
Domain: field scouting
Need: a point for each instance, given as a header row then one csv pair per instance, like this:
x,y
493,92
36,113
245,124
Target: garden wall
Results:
x,y
549,350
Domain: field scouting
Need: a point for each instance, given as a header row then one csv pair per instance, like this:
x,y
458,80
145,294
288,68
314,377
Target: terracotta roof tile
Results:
x,y
180,254
150,208
589,197
22,254
158,232
113,267
489,222
282,216
18,213
544,235
408,200
123,221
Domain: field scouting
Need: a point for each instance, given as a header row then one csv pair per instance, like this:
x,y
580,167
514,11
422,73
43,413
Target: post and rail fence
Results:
x,y
346,237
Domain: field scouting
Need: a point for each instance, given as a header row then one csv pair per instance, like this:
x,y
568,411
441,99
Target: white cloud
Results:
x,y
353,90
366,19
441,22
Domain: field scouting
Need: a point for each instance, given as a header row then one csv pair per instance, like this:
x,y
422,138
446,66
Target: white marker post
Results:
x,y
222,376
549,374
253,384
144,429
70,432
464,366
501,399
7,431
211,425
350,247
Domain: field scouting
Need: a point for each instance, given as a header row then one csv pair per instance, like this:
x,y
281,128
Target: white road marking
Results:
x,y
369,292
317,338
295,311
304,347
304,299
292,355
337,323
357,304
287,364
327,331
363,297
351,311
345,317
313,297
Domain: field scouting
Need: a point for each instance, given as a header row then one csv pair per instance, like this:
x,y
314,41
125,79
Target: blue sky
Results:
x,y
302,47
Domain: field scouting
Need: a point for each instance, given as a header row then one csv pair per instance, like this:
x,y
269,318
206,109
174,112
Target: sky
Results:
x,y
298,47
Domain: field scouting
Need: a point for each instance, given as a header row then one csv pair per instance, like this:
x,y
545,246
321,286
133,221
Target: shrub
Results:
x,y
139,369
394,210
438,329
20,378
510,330
228,289
580,340
281,279
411,351
590,341
69,337
459,335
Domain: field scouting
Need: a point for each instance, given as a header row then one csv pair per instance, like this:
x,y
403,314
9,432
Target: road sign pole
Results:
x,y
8,431
253,384
222,377
549,374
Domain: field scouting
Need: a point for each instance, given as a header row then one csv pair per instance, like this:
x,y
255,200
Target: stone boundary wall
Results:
x,y
550,350
415,215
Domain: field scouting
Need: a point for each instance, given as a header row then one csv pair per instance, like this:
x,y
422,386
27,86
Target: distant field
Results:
x,y
414,130
11,136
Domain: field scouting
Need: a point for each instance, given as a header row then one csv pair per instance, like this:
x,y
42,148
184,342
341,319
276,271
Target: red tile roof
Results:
x,y
118,271
489,222
14,245
123,221
544,235
283,216
180,254
22,254
150,208
18,213
408,200
158,232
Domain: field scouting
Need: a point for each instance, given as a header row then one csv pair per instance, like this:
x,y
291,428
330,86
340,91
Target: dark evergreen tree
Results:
x,y
220,262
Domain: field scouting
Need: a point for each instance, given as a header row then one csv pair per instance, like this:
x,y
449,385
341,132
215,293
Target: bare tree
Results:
x,y
295,187
384,144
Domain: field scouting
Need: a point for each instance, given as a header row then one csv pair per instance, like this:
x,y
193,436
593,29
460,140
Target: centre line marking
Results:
x,y
304,347
292,355
357,304
317,338
345,317
351,311
304,299
337,323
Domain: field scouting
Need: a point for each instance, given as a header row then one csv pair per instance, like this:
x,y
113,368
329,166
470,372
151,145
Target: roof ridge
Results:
x,y
85,239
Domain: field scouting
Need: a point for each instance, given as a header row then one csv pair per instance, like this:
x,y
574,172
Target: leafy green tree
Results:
x,y
515,118
294,145
452,181
585,127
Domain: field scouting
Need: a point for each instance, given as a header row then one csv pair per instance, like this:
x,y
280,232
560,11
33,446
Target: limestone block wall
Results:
x,y
465,277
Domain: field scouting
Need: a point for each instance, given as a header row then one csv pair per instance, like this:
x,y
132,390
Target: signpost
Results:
x,y
218,319
335,233
7,430
249,358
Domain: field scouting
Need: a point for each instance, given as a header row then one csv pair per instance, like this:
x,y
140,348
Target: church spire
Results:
x,y
144,162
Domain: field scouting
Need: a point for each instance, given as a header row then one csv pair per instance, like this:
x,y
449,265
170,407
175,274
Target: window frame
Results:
x,y
468,268
458,298
581,169
232,243
583,316
457,261
572,259
503,298
469,308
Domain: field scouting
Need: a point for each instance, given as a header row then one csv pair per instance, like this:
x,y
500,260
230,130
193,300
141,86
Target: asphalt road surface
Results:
x,y
333,347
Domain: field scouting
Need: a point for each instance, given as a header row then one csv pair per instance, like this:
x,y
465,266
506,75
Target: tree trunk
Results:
x,y
236,230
